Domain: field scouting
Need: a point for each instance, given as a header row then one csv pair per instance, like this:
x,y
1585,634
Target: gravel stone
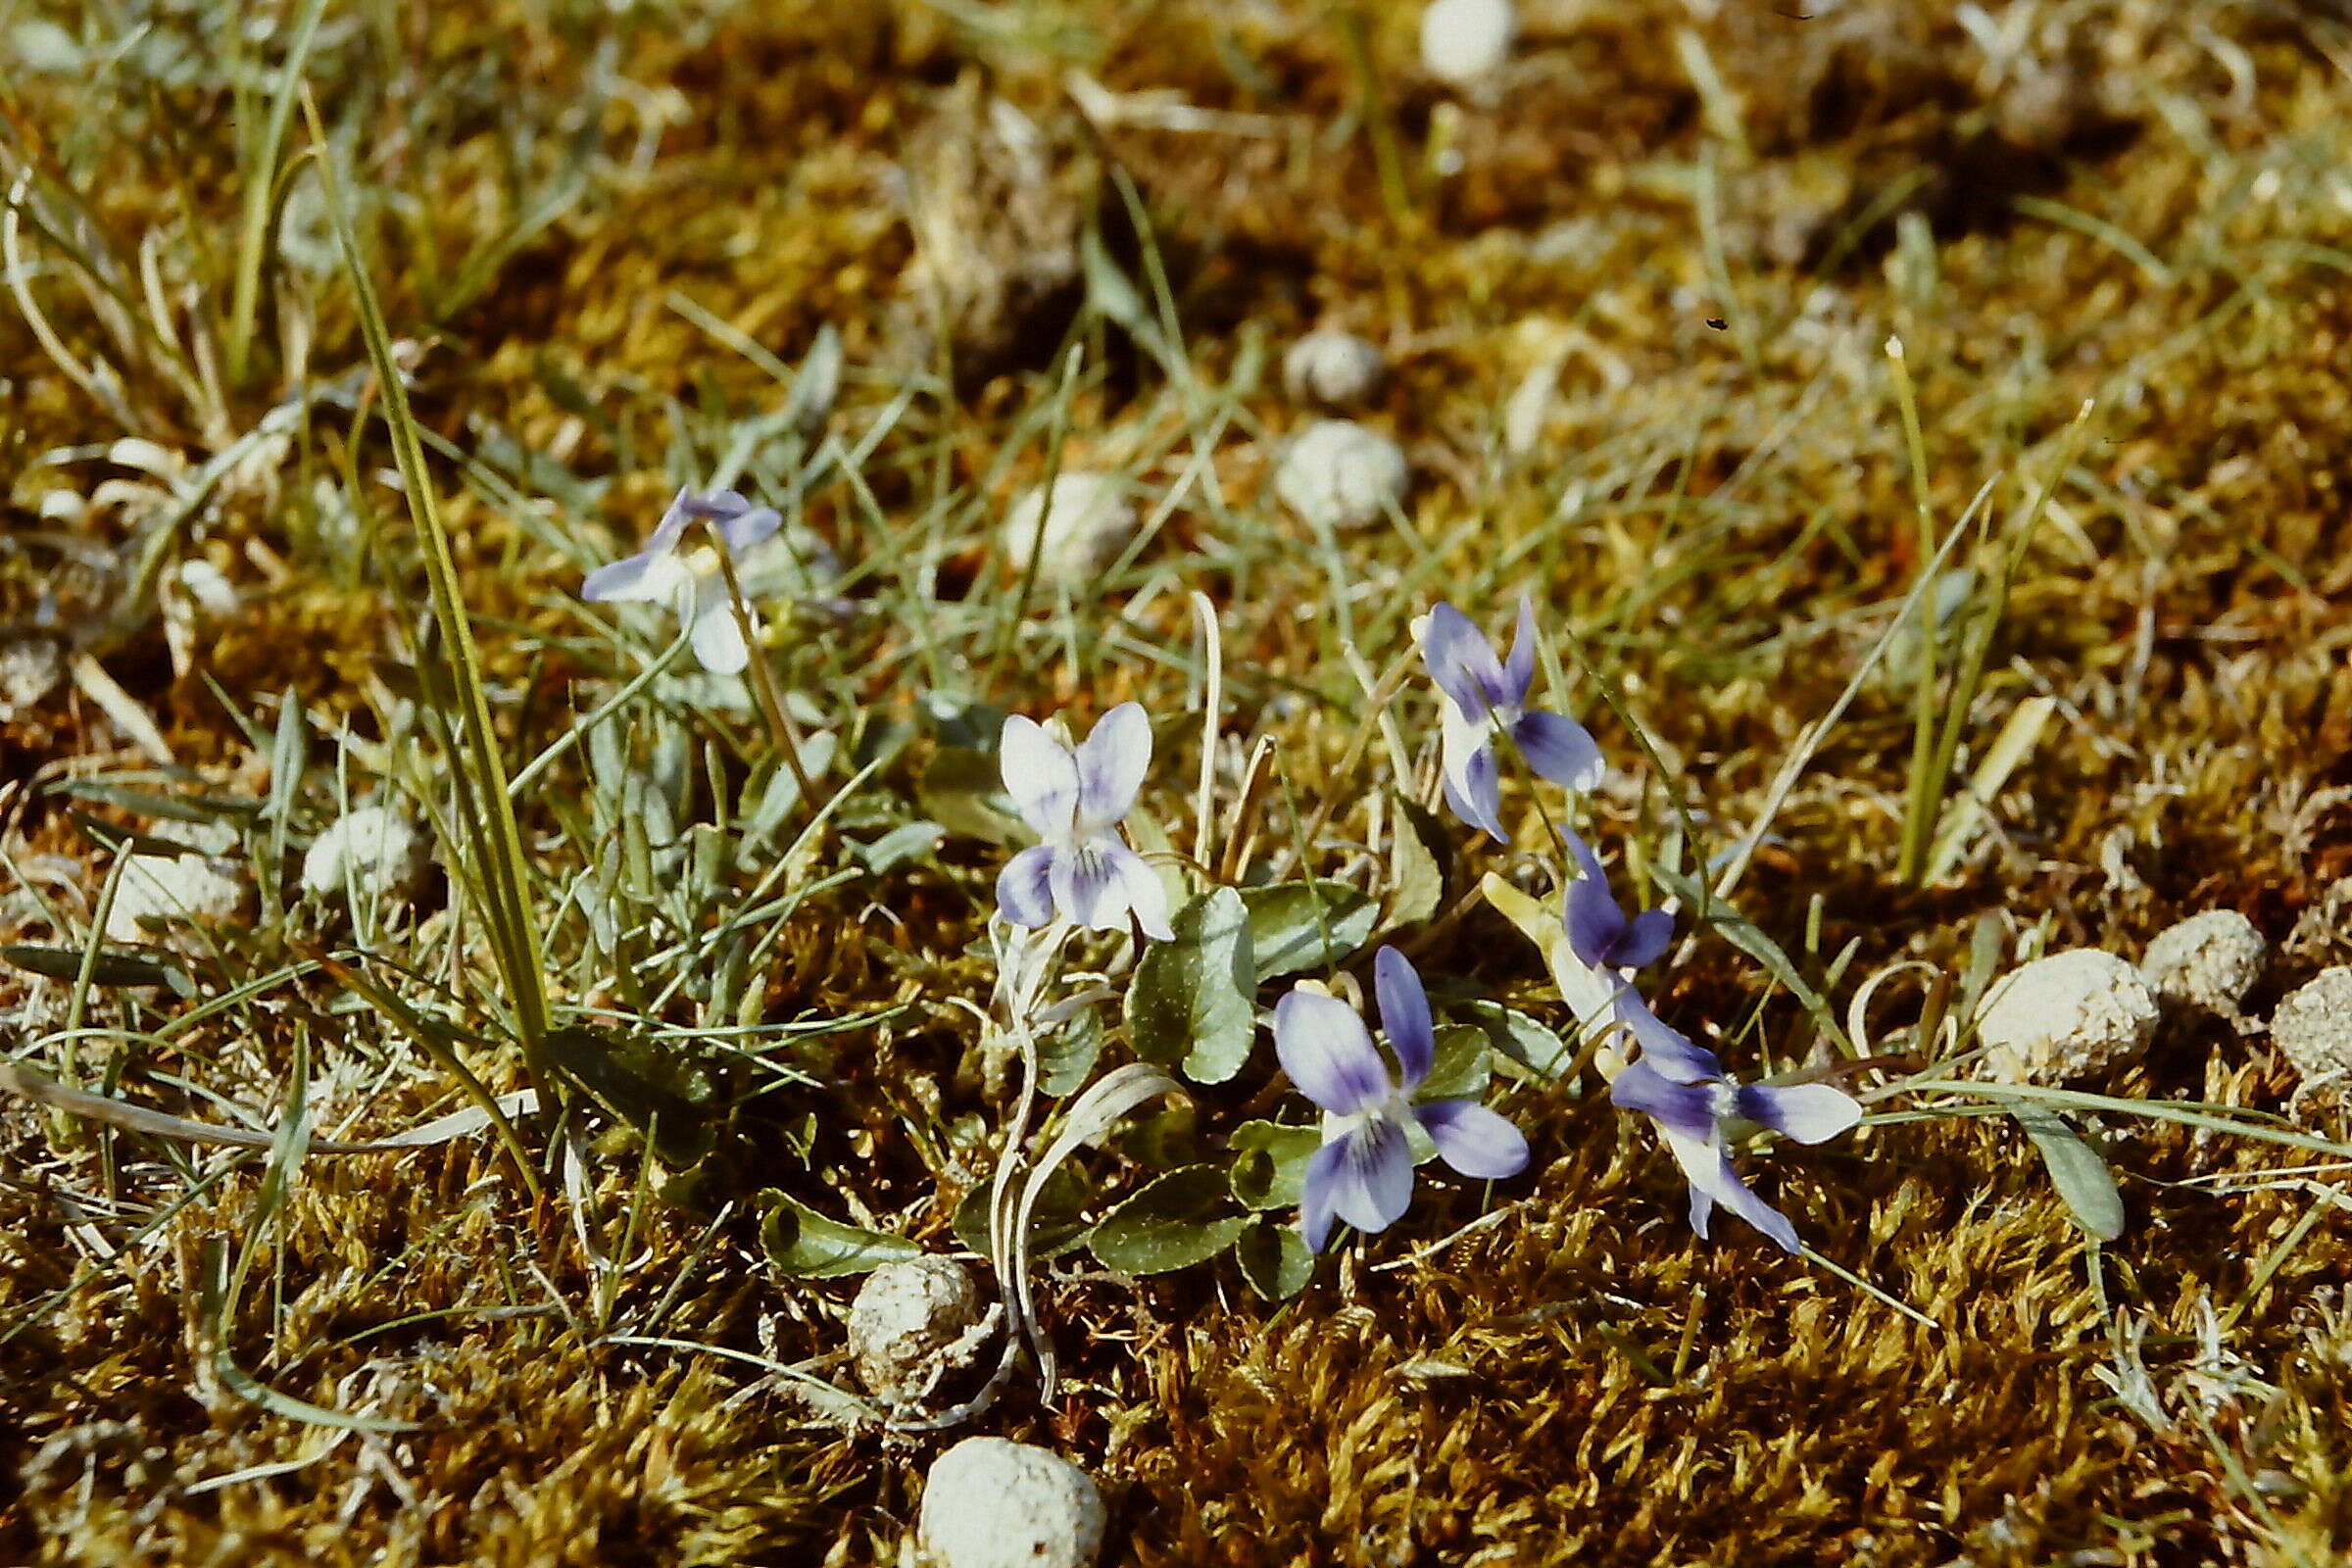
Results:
x,y
1088,527
1339,474
2066,1016
206,885
2314,1026
995,1503
913,1322
1465,41
2209,961
1329,366
368,854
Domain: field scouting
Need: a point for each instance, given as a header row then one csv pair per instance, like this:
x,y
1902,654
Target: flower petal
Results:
x,y
1147,897
1089,888
1560,749
1316,1189
1684,1111
1473,1140
1112,763
1463,663
1473,787
1328,1053
1674,1054
1519,670
1041,775
749,527
1405,1014
1714,1181
1025,889
649,575
718,639
1810,1113
1594,922
1373,1185
1643,940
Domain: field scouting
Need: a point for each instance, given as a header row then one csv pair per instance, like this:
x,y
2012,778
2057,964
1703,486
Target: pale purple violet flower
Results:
x,y
1484,695
692,578
1363,1173
1682,1087
1073,798
1599,932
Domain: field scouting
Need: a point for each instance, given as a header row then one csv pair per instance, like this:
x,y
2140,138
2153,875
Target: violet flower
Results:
x,y
1599,932
1484,695
692,576
1073,799
1682,1087
1363,1173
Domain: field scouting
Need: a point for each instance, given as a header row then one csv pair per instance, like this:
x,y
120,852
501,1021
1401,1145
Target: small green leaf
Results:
x,y
1190,1000
663,1088
1275,1260
1057,1224
2084,1182
1459,1070
900,846
1306,926
1526,1048
802,1244
1416,865
1173,1221
1068,1054
111,968
1269,1162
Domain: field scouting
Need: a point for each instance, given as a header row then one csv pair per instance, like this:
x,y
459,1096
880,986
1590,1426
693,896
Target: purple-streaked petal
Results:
x,y
1463,663
1560,749
1090,886
1112,763
718,639
1473,1140
1519,670
1593,921
1674,1054
1145,896
1326,1049
1713,1181
674,520
649,575
1372,1186
1315,1190
741,531
1025,888
1643,939
1681,1110
1810,1113
1041,775
1404,1015
1473,786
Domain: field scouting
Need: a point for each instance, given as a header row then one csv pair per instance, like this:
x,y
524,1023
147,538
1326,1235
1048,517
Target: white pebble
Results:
x,y
206,885
29,669
995,1503
912,1322
366,853
209,586
1087,528
2066,1016
1329,366
2209,961
1337,474
1465,41
2314,1026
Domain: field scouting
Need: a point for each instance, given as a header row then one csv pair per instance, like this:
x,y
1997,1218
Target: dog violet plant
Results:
x,y
693,575
1363,1173
1073,799
1486,696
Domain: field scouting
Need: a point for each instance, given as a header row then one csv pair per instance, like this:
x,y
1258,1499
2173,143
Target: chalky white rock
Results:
x,y
1339,474
1333,366
1465,41
1088,525
207,884
2313,1026
2209,961
995,1503
912,1322
368,854
2066,1016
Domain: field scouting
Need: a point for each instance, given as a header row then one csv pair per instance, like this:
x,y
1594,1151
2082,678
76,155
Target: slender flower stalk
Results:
x,y
1486,696
1682,1087
695,576
1363,1173
1073,799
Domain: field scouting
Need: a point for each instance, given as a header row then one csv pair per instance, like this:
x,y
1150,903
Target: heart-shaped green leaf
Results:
x,y
1189,1004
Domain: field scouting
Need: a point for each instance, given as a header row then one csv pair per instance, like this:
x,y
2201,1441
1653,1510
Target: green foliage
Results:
x,y
1297,926
802,1244
666,1088
1189,1005
1173,1221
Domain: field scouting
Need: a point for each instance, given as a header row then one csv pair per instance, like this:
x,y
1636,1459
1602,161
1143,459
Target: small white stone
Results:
x,y
366,853
209,587
1087,528
1339,474
1329,366
995,1503
2066,1016
912,1322
2209,961
205,885
2314,1026
29,669
1465,41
